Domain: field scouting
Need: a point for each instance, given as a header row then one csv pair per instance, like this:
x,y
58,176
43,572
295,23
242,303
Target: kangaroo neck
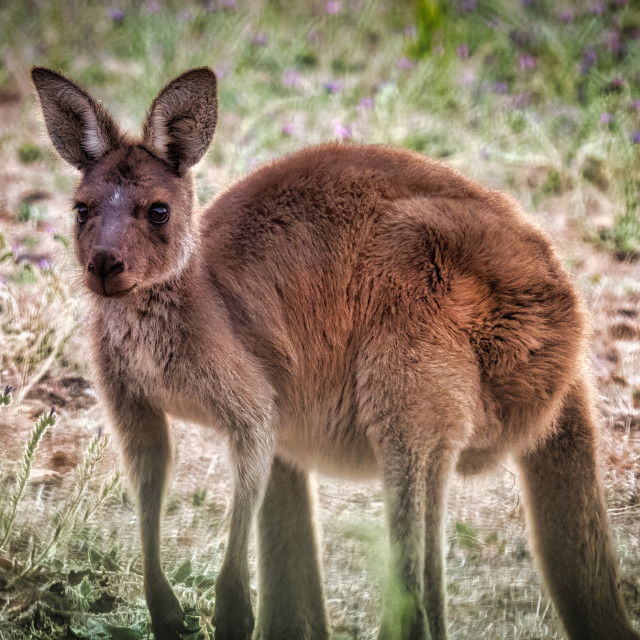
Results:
x,y
176,294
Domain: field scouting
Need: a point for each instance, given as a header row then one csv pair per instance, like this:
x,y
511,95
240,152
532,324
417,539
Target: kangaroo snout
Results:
x,y
104,267
105,262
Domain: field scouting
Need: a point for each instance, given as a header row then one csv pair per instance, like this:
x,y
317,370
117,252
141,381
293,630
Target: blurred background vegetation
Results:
x,y
538,97
552,85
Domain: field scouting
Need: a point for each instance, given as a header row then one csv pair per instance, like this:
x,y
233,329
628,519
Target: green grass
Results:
x,y
516,81
520,94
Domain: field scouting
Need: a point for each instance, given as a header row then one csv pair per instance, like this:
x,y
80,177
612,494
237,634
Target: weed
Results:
x,y
466,536
28,211
29,152
5,396
53,605
66,519
45,421
199,496
594,171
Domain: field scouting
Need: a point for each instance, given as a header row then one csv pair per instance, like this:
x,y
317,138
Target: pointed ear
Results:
x,y
80,129
181,120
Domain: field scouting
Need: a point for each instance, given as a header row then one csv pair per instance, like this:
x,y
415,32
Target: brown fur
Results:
x,y
352,309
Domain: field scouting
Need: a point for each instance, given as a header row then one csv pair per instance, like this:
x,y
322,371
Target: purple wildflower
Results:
x,y
635,104
521,100
617,83
614,42
366,103
333,86
332,7
222,70
343,132
500,87
527,3
410,31
153,6
287,129
566,16
527,62
291,78
484,153
260,39
43,264
463,51
468,6
606,118
404,64
117,15
589,58
597,9
184,16
228,4
635,137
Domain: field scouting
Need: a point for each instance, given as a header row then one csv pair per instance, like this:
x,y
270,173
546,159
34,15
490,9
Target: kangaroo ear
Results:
x,y
80,129
181,120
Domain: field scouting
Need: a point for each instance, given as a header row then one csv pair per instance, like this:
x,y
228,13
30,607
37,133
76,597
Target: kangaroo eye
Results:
x,y
82,212
158,213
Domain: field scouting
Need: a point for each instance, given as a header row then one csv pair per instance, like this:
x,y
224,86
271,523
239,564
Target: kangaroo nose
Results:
x,y
105,262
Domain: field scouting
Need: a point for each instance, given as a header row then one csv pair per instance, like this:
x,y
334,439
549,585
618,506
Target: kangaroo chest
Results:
x,y
143,344
179,364
150,353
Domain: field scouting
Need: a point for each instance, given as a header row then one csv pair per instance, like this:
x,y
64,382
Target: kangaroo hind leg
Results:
x,y
415,477
290,591
569,526
417,438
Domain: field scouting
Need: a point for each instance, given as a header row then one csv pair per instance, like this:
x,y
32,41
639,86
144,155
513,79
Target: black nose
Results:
x,y
105,262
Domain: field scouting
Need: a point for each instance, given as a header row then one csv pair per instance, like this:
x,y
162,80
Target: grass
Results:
x,y
534,97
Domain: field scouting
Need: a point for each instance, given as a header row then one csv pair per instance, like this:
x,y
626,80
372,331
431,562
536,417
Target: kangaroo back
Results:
x,y
311,251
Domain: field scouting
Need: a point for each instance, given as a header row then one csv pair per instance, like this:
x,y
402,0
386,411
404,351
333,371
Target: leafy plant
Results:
x,y
67,518
45,421
29,152
5,397
199,496
466,536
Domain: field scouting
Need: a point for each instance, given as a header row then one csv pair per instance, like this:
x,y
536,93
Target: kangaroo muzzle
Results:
x,y
105,269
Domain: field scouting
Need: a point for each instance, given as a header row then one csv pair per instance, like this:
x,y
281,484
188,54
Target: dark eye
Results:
x,y
158,213
82,212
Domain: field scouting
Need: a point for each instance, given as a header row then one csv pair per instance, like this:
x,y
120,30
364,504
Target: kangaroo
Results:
x,y
350,309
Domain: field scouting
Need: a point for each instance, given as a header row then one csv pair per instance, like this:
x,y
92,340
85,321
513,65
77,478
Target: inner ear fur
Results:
x,y
81,130
181,120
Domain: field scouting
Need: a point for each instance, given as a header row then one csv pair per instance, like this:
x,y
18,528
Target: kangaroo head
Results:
x,y
135,200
